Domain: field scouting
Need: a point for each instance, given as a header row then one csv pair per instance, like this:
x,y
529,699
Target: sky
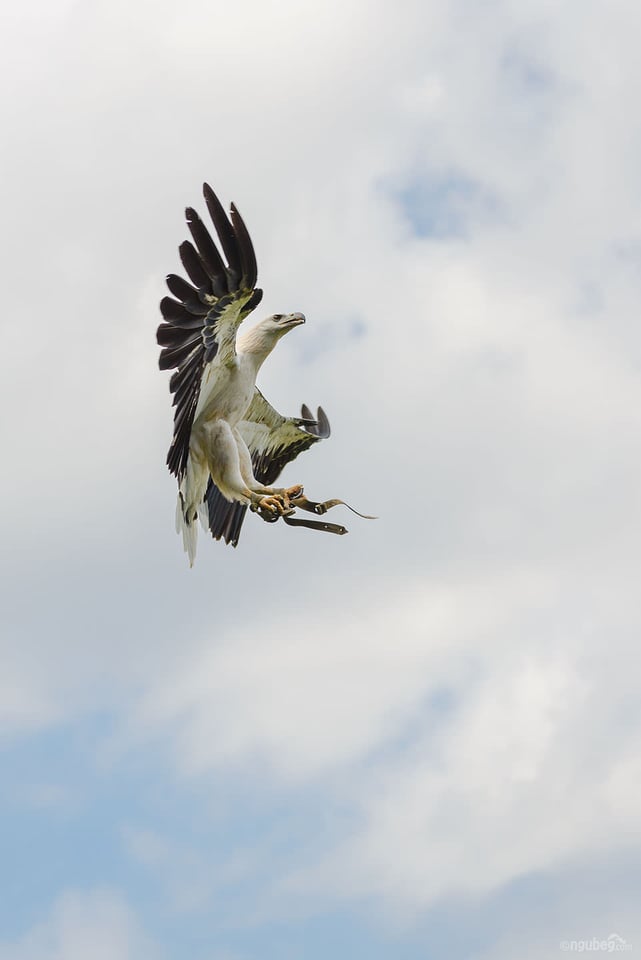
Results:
x,y
417,741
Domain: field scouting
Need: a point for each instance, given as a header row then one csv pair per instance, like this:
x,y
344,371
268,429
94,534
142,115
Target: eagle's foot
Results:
x,y
270,506
286,495
290,494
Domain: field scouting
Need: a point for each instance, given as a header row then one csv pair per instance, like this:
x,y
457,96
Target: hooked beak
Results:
x,y
294,320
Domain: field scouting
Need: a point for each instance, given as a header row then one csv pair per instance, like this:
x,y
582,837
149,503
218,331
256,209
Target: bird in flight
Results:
x,y
229,444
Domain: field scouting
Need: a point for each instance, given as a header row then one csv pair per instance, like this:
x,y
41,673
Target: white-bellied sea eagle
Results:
x,y
229,444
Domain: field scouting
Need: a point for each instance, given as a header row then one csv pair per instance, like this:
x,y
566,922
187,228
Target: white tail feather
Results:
x,y
203,515
189,532
190,504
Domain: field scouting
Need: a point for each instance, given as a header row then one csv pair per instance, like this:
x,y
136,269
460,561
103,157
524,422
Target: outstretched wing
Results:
x,y
273,441
202,317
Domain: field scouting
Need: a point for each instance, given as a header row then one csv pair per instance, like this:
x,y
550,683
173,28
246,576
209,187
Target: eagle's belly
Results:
x,y
225,394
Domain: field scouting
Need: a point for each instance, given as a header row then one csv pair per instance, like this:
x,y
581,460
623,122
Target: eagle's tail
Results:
x,y
191,506
188,527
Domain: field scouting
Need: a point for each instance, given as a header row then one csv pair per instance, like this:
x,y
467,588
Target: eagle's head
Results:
x,y
279,323
261,339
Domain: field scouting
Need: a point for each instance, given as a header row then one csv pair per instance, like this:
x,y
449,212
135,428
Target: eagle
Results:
x,y
229,444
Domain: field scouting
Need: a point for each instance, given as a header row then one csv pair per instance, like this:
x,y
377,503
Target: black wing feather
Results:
x,y
210,259
169,336
193,265
188,295
225,232
225,518
172,357
246,249
178,315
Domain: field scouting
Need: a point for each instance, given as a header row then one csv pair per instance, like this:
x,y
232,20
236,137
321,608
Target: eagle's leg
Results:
x,y
226,464
276,499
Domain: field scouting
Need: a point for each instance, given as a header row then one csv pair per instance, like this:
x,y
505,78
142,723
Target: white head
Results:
x,y
279,323
261,339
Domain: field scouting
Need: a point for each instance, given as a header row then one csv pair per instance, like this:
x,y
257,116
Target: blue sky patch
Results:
x,y
445,206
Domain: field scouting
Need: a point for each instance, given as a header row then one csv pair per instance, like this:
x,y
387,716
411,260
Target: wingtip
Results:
x,y
317,425
324,429
212,201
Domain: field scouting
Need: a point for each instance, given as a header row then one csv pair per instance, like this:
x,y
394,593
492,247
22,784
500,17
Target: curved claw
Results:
x,y
270,506
267,515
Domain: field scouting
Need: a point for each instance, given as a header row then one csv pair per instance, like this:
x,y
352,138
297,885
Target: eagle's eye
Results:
x,y
277,316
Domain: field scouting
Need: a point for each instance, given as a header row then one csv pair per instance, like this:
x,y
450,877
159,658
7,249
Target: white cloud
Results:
x,y
83,924
462,724
308,693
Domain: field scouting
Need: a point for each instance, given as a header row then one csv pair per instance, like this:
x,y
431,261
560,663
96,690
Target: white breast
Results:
x,y
225,393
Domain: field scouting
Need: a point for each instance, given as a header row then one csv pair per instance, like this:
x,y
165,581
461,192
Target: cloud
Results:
x,y
307,698
83,924
460,723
